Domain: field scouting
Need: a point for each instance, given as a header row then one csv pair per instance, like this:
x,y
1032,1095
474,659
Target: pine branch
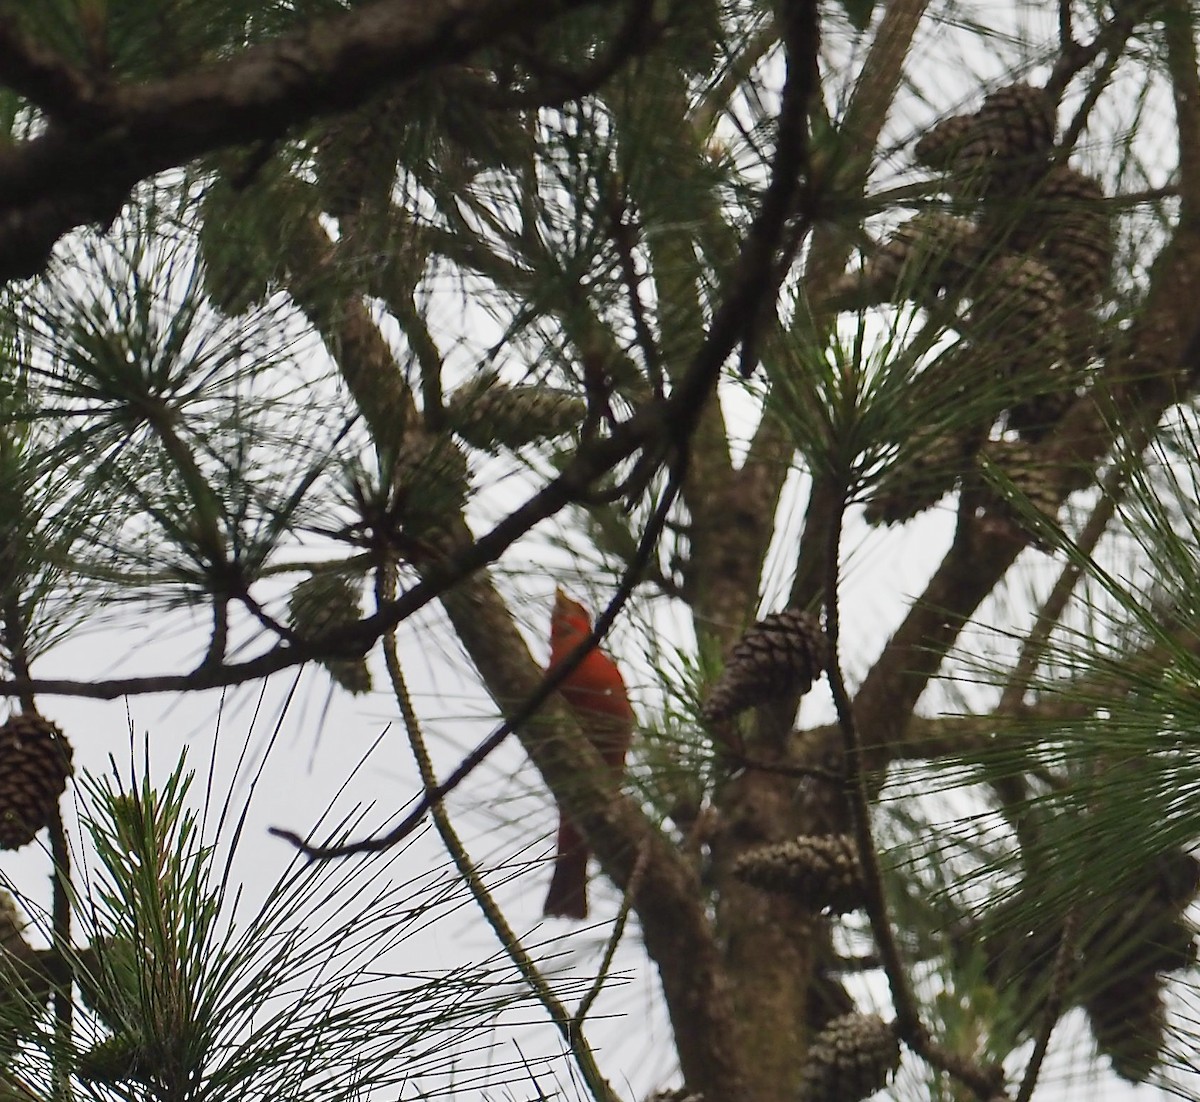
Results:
x,y
985,1082
66,178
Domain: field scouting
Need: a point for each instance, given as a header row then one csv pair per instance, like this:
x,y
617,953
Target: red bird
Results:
x,y
596,693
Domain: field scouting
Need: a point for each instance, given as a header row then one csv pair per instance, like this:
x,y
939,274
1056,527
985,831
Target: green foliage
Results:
x,y
192,992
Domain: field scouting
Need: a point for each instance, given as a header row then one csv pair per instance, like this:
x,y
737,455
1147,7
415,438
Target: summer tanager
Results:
x,y
596,693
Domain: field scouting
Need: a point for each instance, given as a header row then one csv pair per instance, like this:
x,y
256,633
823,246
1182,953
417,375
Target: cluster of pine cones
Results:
x,y
1021,264
35,762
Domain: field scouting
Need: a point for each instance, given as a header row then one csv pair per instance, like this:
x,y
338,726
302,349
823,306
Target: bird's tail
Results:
x,y
567,897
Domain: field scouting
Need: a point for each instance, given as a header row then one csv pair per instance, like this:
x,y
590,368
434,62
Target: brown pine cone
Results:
x,y
1017,315
1015,126
35,761
850,1059
1129,1021
1021,483
355,158
940,147
780,654
1000,151
1043,404
1073,222
320,603
920,479
927,255
822,872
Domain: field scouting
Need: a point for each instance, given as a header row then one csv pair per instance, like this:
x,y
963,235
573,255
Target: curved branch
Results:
x,y
67,177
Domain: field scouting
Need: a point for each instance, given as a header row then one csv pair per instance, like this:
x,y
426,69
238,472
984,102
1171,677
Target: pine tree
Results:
x,y
326,321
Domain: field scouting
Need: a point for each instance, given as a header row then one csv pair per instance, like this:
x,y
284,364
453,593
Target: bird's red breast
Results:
x,y
595,685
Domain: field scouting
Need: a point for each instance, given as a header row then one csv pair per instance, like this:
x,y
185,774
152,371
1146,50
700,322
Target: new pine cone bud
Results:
x,y
487,413
1128,1019
430,480
320,603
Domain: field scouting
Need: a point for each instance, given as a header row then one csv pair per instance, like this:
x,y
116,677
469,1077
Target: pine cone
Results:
x,y
241,244
487,413
1154,942
35,761
1045,404
25,982
1023,482
850,1059
1017,314
1074,226
320,603
1000,151
12,938
780,654
355,158
115,1061
940,147
823,872
1174,878
928,254
1129,1021
919,480
429,479
1015,126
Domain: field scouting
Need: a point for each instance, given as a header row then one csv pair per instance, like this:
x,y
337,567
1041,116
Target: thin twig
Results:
x,y
1092,96
1075,56
800,33
570,1026
783,769
60,943
614,938
1054,1005
911,1030
625,238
